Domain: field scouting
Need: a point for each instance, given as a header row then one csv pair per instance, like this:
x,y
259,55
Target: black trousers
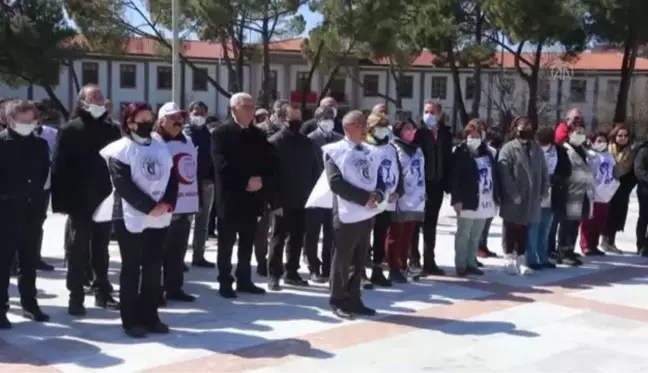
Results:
x,y
175,248
45,207
139,280
568,234
211,226
87,241
380,225
319,219
434,193
229,229
515,238
261,238
553,233
349,258
291,225
20,224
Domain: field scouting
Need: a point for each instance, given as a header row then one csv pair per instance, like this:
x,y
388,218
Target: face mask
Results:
x,y
525,134
408,135
24,129
430,120
380,132
96,110
577,138
294,125
197,121
144,129
600,146
473,144
327,125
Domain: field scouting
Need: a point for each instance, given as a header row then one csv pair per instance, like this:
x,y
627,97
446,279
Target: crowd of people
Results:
x,y
271,184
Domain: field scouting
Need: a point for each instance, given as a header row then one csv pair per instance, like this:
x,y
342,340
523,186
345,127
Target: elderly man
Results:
x,y
562,130
197,130
22,195
318,218
352,173
80,183
435,140
272,124
311,125
243,162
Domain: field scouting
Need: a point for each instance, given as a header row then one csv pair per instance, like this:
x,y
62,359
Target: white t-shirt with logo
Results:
x,y
486,206
605,185
185,160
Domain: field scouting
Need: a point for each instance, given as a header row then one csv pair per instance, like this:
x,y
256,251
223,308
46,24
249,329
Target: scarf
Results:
x,y
623,160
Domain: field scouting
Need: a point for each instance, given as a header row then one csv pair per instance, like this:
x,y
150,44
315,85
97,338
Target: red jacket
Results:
x,y
562,133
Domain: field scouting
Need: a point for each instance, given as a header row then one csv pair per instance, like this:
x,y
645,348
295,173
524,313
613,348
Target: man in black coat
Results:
x,y
311,125
80,183
23,174
435,140
243,162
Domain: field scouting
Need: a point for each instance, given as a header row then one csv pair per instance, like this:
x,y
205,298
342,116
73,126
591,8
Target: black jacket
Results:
x,y
23,173
238,154
641,169
311,125
201,138
80,176
296,169
437,153
559,180
466,178
318,139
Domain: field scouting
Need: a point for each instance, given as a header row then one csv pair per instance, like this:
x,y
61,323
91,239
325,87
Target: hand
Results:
x,y
278,212
457,207
254,184
373,200
517,200
160,209
393,197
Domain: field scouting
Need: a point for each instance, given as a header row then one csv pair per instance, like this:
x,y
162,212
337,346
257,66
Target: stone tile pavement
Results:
x,y
593,318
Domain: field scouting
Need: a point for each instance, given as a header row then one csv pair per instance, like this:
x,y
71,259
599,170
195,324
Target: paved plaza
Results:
x,y
592,318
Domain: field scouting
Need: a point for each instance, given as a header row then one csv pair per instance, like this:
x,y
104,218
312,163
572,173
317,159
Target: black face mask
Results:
x,y
525,134
144,129
294,125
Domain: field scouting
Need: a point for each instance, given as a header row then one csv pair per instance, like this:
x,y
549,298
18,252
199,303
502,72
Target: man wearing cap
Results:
x,y
201,138
311,125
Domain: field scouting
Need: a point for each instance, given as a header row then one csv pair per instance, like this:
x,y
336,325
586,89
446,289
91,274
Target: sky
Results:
x,y
312,19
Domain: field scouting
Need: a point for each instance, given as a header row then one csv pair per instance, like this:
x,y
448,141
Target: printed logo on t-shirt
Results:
x,y
417,170
385,173
605,174
151,168
185,166
362,168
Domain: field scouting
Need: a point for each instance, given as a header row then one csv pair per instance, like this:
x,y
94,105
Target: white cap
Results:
x,y
170,108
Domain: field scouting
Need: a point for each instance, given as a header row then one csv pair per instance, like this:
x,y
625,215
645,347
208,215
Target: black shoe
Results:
x,y
342,313
569,259
474,271
397,277
36,314
643,252
249,288
157,328
273,284
106,302
4,322
366,284
594,252
135,332
202,263
76,309
479,264
432,270
363,310
461,272
295,279
378,278
185,267
42,266
262,270
536,266
489,254
180,296
318,279
226,291
548,265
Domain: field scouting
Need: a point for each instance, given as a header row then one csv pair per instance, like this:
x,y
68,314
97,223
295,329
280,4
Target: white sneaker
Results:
x,y
510,266
608,248
520,263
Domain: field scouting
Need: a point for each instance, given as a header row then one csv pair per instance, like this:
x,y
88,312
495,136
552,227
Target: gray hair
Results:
x,y
328,101
324,112
435,103
278,105
352,117
14,107
239,97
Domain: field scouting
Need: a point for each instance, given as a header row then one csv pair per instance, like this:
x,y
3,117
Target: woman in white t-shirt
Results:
x,y
475,194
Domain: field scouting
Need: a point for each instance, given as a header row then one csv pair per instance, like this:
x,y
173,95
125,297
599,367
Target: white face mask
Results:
x,y
577,138
473,144
24,129
380,132
430,120
95,110
196,120
327,125
600,146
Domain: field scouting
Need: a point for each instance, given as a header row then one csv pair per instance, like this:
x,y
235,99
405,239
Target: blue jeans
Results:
x,y
469,232
538,246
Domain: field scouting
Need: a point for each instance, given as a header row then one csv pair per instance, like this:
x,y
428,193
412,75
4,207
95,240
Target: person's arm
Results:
x,y
44,155
447,161
124,185
455,181
544,184
171,192
342,187
400,187
62,172
505,164
230,174
640,170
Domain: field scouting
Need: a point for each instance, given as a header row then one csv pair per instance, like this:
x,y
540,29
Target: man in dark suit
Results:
x,y
243,161
311,125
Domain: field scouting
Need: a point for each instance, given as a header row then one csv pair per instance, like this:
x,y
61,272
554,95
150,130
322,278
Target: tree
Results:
x,y
524,23
36,41
620,23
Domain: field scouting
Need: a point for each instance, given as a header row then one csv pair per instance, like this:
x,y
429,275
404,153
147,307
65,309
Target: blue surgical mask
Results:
x,y
430,120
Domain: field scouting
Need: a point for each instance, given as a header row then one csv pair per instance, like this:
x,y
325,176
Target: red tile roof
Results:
x,y
595,60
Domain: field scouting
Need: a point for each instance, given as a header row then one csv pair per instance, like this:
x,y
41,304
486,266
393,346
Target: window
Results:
x,y
273,80
127,75
440,87
303,85
164,77
273,95
406,86
612,89
199,79
337,88
89,73
470,88
544,90
578,90
370,84
403,115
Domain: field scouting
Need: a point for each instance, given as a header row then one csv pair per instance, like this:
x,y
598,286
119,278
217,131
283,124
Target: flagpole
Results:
x,y
175,59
